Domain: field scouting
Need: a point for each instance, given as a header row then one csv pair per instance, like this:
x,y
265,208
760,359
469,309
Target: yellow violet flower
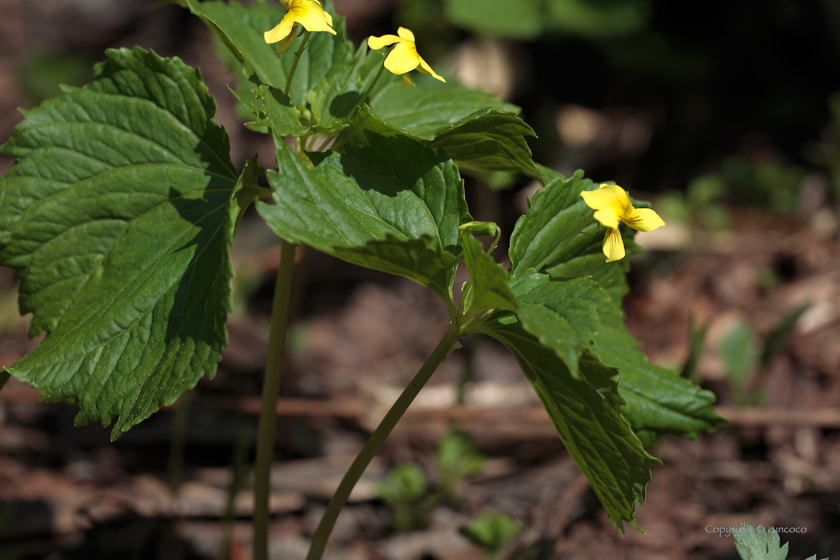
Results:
x,y
403,58
308,13
612,206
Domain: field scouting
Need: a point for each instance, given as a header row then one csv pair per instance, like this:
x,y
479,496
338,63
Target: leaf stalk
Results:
x,y
363,459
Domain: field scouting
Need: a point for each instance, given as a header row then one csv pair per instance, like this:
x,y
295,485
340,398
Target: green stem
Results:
x,y
295,63
563,245
342,136
322,533
468,373
365,96
176,445
270,393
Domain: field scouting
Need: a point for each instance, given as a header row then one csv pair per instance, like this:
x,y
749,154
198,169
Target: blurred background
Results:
x,y
726,115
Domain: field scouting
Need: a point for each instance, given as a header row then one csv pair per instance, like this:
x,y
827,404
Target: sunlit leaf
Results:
x,y
118,219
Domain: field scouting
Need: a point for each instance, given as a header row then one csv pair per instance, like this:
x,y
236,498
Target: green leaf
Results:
x,y
240,29
526,19
758,543
458,457
740,353
599,20
117,218
342,88
420,260
491,531
487,288
585,412
405,484
431,106
273,110
522,19
697,340
4,377
564,315
555,217
488,140
778,337
393,205
485,141
480,132
658,401
247,190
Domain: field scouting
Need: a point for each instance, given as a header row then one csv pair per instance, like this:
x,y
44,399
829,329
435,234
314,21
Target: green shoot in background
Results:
x,y
758,543
491,532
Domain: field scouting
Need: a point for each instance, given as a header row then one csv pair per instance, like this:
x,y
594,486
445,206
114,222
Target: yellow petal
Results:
x,y
311,16
405,34
407,81
613,245
403,58
643,219
326,13
281,30
608,196
607,218
377,43
426,69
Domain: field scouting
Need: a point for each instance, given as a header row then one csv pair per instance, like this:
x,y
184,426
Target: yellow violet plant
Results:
x,y
612,206
120,211
403,58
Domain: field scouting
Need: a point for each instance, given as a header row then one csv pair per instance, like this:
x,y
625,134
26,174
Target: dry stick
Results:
x,y
353,410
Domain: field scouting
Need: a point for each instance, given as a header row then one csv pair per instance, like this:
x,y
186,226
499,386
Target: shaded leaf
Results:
x,y
482,142
247,190
487,288
343,86
488,140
